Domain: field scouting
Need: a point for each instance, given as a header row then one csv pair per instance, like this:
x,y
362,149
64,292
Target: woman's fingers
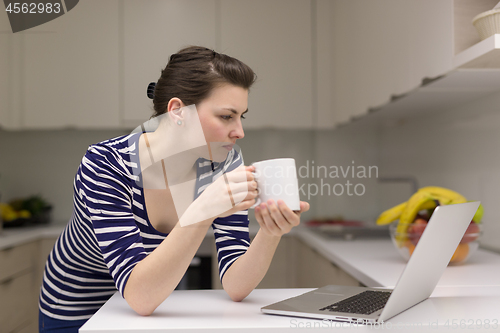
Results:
x,y
304,206
266,220
278,217
244,196
289,214
239,175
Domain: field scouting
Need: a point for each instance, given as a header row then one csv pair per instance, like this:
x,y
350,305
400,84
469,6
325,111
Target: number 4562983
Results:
x,y
33,8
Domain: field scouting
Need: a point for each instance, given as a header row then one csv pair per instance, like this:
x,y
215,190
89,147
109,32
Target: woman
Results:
x,y
130,200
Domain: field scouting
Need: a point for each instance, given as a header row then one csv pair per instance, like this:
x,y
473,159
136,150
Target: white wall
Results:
x,y
349,147
45,163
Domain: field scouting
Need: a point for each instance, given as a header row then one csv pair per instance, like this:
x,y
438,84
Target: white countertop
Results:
x,y
468,294
189,311
375,263
16,236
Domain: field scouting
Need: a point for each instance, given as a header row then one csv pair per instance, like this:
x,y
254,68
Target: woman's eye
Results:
x,y
230,117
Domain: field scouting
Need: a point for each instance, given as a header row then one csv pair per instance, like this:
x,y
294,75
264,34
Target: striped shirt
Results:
x,y
109,231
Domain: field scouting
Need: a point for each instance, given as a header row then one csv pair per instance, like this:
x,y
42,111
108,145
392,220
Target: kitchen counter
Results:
x,y
17,236
374,262
189,311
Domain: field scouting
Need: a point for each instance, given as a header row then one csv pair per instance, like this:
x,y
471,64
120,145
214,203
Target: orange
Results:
x,y
408,244
460,253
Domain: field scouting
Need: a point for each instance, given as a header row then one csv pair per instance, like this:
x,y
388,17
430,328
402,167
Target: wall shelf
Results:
x,y
485,54
458,87
476,74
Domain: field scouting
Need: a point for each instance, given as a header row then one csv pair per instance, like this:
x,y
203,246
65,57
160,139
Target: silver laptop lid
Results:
x,y
431,256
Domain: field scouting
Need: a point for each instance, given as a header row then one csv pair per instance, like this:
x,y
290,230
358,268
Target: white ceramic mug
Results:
x,y
277,179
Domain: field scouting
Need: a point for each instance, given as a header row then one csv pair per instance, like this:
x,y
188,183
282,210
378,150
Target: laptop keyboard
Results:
x,y
366,302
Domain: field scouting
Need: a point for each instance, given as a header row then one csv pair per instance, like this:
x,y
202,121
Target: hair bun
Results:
x,y
151,90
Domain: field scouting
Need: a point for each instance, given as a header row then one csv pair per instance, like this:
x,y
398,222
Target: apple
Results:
x,y
471,234
416,230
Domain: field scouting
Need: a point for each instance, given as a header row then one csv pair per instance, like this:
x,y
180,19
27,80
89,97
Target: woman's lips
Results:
x,y
228,147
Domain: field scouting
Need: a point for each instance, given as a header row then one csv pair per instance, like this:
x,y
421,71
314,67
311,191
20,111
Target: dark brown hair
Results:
x,y
193,72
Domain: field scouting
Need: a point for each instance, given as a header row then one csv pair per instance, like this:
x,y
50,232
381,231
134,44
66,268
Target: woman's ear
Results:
x,y
174,110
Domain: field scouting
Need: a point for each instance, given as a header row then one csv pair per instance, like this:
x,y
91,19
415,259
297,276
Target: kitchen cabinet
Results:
x,y
313,270
320,63
15,294
10,70
16,286
281,272
20,281
378,49
151,32
4,69
63,73
69,70
274,39
418,64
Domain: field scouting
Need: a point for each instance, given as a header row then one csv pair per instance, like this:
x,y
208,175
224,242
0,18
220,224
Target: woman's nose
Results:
x,y
238,132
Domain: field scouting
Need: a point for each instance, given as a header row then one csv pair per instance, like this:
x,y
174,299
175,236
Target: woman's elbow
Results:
x,y
142,306
142,310
236,296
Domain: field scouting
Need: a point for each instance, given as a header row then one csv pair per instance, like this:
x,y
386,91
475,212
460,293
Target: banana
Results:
x,y
391,214
444,192
418,201
444,195
425,198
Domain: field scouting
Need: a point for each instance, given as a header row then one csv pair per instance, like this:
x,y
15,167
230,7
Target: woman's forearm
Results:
x,y
248,270
154,278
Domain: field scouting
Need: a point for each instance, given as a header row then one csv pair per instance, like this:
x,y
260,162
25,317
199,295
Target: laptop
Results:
x,y
419,278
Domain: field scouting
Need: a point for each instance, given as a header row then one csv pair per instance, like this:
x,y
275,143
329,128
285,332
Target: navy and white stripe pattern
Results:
x,y
109,231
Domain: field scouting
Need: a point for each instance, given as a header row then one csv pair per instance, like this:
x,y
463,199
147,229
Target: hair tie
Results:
x,y
151,90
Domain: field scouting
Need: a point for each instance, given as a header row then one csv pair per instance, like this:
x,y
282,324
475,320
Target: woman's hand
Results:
x,y
231,192
243,189
277,219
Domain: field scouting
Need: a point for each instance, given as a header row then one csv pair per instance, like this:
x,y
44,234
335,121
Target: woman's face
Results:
x,y
220,115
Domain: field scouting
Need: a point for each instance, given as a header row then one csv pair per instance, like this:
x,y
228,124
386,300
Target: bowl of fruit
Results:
x,y
406,237
411,217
